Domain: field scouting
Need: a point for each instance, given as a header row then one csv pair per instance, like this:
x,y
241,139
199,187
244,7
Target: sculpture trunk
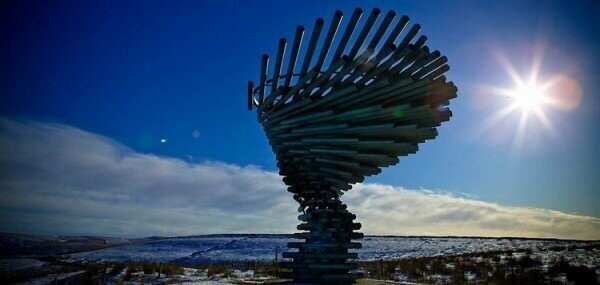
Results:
x,y
328,233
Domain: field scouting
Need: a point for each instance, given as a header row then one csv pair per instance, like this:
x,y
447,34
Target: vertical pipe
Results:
x,y
333,27
384,51
324,78
278,63
250,99
410,35
397,55
418,52
347,34
420,42
413,56
292,92
348,67
420,62
364,32
312,44
294,55
389,17
396,31
263,78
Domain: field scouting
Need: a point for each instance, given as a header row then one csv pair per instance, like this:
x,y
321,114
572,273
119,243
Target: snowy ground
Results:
x,y
17,264
210,250
50,279
262,248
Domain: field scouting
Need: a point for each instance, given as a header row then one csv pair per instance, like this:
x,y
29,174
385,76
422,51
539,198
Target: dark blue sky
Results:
x,y
139,71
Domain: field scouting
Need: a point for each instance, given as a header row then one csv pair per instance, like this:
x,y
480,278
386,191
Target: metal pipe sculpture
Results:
x,y
330,127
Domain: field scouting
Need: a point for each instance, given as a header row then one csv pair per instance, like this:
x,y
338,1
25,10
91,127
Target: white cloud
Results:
x,y
62,180
392,210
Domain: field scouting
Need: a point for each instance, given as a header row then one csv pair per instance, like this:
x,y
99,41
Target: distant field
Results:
x,y
262,248
254,247
235,258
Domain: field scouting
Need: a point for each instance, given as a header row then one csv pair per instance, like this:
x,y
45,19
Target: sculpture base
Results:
x,y
323,255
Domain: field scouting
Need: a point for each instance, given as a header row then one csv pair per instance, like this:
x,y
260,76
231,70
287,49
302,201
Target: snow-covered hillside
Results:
x,y
263,248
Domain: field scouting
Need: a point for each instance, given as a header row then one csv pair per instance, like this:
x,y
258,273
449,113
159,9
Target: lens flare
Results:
x,y
564,93
532,97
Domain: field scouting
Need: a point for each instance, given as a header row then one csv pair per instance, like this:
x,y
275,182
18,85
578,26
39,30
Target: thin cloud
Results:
x,y
393,210
58,179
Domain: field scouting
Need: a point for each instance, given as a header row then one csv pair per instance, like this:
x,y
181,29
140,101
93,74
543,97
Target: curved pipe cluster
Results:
x,y
380,96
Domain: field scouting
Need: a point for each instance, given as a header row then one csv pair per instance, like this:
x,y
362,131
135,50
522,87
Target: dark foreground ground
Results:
x,y
27,259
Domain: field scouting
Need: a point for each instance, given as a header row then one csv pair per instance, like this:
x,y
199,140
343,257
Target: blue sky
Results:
x,y
134,72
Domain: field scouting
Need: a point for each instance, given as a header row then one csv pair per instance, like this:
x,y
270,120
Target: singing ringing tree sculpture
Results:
x,y
332,125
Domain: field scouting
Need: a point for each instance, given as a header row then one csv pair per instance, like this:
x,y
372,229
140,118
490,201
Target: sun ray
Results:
x,y
497,117
536,64
503,92
543,118
520,131
502,58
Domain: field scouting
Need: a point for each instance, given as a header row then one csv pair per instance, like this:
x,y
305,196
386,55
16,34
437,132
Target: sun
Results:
x,y
531,101
529,97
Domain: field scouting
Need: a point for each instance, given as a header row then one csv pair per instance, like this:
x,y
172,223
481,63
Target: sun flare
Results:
x,y
529,97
